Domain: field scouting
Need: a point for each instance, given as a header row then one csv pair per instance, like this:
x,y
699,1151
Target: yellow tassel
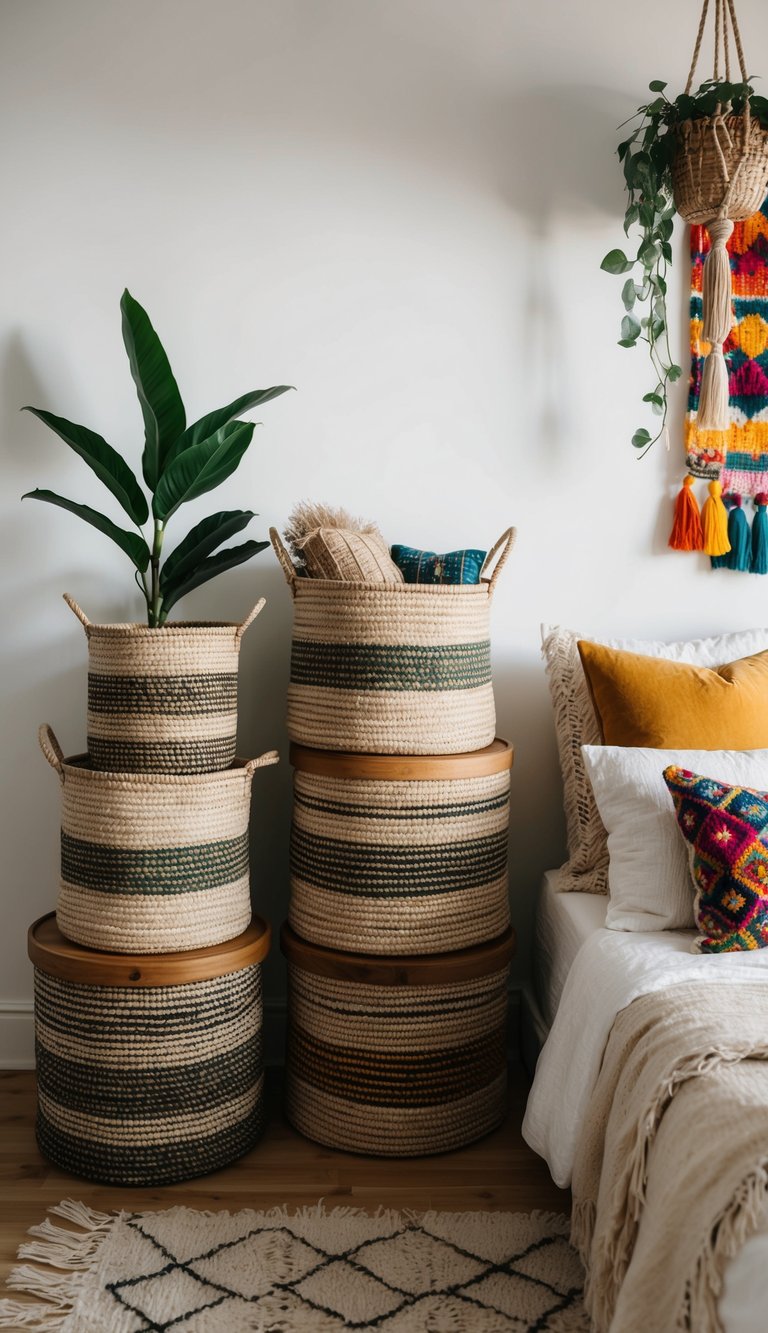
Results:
x,y
714,521
717,321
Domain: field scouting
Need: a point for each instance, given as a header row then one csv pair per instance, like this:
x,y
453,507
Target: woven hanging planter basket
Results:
x,y
719,176
162,700
149,1071
396,1057
408,857
151,862
392,668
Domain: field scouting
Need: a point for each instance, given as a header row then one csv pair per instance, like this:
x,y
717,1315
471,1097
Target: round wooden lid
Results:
x,y
409,970
59,957
494,758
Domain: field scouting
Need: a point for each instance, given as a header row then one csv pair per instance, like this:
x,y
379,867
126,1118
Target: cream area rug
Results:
x,y
310,1271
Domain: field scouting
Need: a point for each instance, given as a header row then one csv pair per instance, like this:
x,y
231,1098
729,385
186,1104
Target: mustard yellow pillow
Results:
x,y
665,705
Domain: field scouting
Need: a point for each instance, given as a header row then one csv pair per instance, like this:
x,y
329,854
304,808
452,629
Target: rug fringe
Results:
x,y
72,1252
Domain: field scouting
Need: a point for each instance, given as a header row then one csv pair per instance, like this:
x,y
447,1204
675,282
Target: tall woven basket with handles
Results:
x,y
162,700
396,1057
400,855
392,668
149,1070
152,862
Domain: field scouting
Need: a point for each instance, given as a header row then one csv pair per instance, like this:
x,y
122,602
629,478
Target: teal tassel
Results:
x,y
740,555
760,536
723,561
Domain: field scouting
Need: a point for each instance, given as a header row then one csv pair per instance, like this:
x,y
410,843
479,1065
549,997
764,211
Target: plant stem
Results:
x,y
156,602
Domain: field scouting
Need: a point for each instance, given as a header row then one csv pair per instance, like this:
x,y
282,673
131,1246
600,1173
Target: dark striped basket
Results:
x,y
153,862
392,668
162,700
400,855
396,1057
149,1070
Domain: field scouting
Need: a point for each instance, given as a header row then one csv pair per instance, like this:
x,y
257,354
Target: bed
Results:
x,y
584,976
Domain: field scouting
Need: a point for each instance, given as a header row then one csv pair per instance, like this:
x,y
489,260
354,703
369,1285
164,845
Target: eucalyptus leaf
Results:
x,y
674,372
616,262
630,327
159,397
641,437
105,461
629,293
210,569
130,542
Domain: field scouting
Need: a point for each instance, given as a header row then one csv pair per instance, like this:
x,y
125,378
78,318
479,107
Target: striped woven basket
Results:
x,y
398,1057
152,863
392,668
149,1071
162,700
400,856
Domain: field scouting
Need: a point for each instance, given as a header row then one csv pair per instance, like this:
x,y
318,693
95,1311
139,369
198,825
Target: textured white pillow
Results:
x,y
649,876
586,869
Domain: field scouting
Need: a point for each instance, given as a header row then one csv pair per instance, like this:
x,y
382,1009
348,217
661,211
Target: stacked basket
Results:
x,y
398,939
148,980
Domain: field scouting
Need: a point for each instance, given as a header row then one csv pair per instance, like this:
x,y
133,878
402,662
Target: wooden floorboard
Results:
x,y
500,1172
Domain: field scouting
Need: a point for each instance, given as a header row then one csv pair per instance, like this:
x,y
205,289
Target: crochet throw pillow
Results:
x,y
726,828
429,567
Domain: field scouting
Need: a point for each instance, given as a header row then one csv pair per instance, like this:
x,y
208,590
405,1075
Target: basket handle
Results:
x,y
249,619
51,748
78,611
263,761
284,558
507,541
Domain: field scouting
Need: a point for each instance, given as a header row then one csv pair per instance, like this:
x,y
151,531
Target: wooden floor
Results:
x,y
500,1172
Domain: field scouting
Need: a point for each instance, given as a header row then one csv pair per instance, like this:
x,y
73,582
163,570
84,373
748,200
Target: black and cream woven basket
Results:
x,y
396,1057
392,668
149,1070
400,855
162,700
151,862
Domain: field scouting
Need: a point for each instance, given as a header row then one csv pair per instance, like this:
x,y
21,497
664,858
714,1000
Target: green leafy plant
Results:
x,y
646,156
179,463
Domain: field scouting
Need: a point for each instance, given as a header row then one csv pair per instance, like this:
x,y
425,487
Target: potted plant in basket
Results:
x,y
704,156
164,697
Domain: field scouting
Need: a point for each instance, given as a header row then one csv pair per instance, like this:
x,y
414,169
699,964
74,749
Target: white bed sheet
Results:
x,y
563,922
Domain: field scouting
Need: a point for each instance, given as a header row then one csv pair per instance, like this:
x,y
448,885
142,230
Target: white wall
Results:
x,y
399,206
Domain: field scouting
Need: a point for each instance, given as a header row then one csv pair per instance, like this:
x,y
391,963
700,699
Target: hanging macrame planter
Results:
x,y
719,176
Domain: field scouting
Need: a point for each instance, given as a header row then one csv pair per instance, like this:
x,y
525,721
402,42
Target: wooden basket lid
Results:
x,y
407,970
494,758
59,957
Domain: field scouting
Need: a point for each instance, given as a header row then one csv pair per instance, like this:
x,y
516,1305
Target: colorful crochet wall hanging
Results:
x,y
735,461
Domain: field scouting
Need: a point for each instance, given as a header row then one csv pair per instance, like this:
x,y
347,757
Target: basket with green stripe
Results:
x,y
149,1070
396,1057
152,862
400,856
162,700
392,668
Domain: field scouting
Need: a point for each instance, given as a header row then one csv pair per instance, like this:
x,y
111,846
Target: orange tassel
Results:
x,y
714,522
686,534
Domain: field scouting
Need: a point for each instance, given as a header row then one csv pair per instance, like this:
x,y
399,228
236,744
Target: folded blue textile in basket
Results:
x,y
429,567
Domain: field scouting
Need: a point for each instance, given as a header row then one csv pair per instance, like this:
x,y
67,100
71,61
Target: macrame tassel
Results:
x,y
717,321
686,534
714,522
740,555
760,536
721,561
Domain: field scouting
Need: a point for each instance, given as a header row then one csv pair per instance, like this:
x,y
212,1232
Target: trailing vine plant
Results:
x,y
646,157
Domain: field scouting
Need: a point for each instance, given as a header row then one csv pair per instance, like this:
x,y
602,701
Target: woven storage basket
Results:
x,y
392,668
396,1057
162,700
720,166
152,863
393,855
149,1070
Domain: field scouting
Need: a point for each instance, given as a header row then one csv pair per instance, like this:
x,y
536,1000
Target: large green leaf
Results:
x,y
161,405
208,425
105,461
209,569
130,542
199,542
201,468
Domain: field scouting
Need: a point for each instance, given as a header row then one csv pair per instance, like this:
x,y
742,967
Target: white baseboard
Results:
x,y
17,1031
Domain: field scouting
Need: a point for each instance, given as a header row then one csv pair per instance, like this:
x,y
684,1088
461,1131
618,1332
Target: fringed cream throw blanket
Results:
x,y
671,1176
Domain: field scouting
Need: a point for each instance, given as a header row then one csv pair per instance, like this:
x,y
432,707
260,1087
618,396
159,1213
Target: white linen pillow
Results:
x,y
586,869
649,875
